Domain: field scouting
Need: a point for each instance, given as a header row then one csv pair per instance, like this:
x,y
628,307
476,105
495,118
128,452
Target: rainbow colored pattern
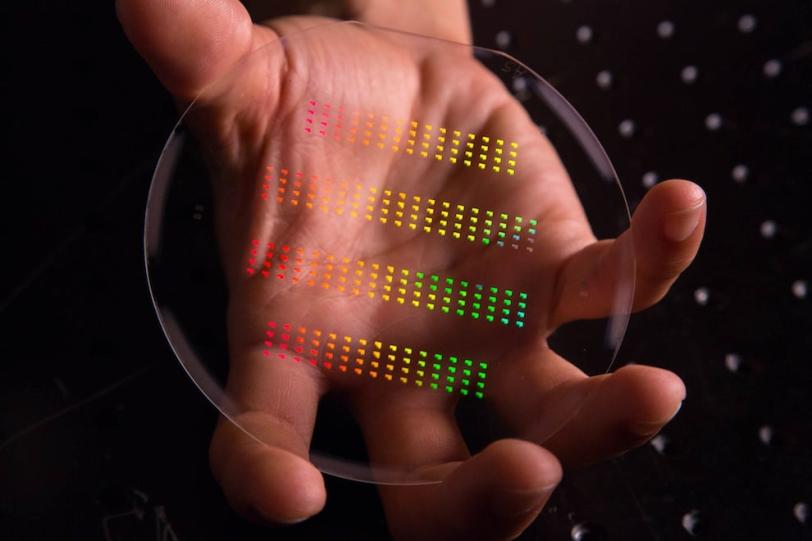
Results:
x,y
376,360
398,209
417,289
413,138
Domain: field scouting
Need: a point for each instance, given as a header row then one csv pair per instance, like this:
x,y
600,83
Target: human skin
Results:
x,y
497,492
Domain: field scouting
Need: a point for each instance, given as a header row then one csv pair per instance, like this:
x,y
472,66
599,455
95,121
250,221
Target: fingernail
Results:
x,y
681,225
515,503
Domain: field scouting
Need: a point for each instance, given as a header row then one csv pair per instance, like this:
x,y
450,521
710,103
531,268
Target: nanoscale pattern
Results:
x,y
374,359
416,289
412,138
398,209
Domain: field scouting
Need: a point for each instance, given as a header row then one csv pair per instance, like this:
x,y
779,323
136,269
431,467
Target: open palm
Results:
x,y
286,226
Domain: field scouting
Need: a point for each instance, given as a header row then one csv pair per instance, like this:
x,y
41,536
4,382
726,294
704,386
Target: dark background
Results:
x,y
102,436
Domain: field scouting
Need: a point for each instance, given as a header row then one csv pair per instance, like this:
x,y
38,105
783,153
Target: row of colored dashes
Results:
x,y
398,209
376,360
428,291
413,138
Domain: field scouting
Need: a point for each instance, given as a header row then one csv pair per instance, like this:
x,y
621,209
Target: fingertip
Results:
x,y
503,487
652,396
667,228
287,488
273,485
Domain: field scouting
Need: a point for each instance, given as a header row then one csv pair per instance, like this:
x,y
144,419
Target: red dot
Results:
x,y
327,365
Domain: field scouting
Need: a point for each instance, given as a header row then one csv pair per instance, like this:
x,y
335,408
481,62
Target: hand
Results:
x,y
499,491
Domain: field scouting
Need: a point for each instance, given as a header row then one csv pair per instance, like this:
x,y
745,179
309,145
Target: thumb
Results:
x,y
187,43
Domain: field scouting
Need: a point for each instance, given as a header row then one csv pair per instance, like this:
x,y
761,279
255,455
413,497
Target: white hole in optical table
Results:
x,y
665,29
747,23
689,74
772,68
690,521
604,79
503,39
740,173
800,289
713,121
701,296
800,116
659,442
583,34
733,362
768,229
765,434
626,128
801,512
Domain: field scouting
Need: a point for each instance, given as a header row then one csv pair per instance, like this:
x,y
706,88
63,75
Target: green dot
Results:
x,y
520,324
486,241
518,219
433,287
418,285
438,356
483,366
533,221
449,281
494,290
489,318
449,389
477,305
452,359
468,362
504,321
466,382
448,291
508,293
523,296
505,312
460,302
435,386
445,309
463,293
520,314
503,216
507,302
452,369
522,305
474,315
481,375
501,234
466,372
491,309
479,395
423,354
479,287
460,312
419,275
435,278
464,284
464,392
435,376
480,384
